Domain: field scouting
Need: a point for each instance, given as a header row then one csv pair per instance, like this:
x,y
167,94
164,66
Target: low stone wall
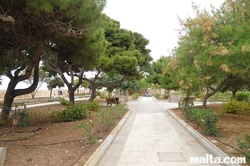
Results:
x,y
44,93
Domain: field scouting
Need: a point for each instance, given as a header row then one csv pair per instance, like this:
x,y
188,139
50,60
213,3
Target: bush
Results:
x,y
93,130
237,107
71,113
93,106
65,102
231,106
24,119
197,94
157,95
204,118
135,96
240,96
245,146
102,95
219,96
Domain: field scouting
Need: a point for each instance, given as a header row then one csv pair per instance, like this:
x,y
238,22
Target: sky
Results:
x,y
156,20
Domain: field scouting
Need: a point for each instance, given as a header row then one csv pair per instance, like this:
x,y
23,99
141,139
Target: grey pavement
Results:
x,y
152,137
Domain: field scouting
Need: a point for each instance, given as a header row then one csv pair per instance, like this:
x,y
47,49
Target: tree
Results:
x,y
53,83
126,57
43,75
212,48
28,27
73,57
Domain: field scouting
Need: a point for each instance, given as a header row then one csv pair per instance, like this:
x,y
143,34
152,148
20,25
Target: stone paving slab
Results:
x,y
151,136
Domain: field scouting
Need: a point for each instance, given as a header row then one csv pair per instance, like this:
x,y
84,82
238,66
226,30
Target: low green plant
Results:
x,y
65,102
222,97
71,113
237,107
92,131
242,95
197,94
204,118
231,106
245,146
24,118
157,95
102,95
135,96
93,106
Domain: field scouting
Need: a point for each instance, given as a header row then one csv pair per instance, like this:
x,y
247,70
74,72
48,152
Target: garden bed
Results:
x,y
47,143
231,127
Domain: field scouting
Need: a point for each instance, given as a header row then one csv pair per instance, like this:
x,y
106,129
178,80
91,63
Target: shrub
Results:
x,y
102,95
219,96
197,94
238,107
93,106
24,119
71,113
157,95
65,102
245,146
93,130
231,106
240,96
204,118
135,96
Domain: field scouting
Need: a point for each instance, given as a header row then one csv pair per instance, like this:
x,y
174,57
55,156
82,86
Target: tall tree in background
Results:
x,y
125,58
53,83
27,27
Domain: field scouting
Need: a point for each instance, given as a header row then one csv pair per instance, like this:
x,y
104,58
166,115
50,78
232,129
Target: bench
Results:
x,y
112,100
187,101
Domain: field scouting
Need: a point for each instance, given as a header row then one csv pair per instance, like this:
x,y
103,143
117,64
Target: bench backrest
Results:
x,y
111,100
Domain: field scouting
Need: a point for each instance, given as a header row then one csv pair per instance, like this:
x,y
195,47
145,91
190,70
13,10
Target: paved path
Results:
x,y
152,137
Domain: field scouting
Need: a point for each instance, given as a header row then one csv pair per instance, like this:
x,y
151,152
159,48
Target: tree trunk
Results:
x,y
11,92
71,94
33,95
93,92
8,100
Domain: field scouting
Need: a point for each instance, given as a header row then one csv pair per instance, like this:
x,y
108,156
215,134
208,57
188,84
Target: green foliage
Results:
x,y
71,113
93,106
102,95
157,95
94,130
237,107
204,118
197,94
231,106
24,118
135,96
242,95
221,97
245,146
65,102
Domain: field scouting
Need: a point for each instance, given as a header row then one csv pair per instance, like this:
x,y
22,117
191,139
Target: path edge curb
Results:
x,y
96,157
210,147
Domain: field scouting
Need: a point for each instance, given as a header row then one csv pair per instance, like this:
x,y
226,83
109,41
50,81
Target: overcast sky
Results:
x,y
154,19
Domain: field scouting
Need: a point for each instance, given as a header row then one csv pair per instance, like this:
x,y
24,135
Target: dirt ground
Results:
x,y
230,127
47,144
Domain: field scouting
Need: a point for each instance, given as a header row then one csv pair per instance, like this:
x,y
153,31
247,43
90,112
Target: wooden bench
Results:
x,y
111,101
187,101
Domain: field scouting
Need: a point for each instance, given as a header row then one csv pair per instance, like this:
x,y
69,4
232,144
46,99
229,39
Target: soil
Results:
x,y
48,144
231,127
